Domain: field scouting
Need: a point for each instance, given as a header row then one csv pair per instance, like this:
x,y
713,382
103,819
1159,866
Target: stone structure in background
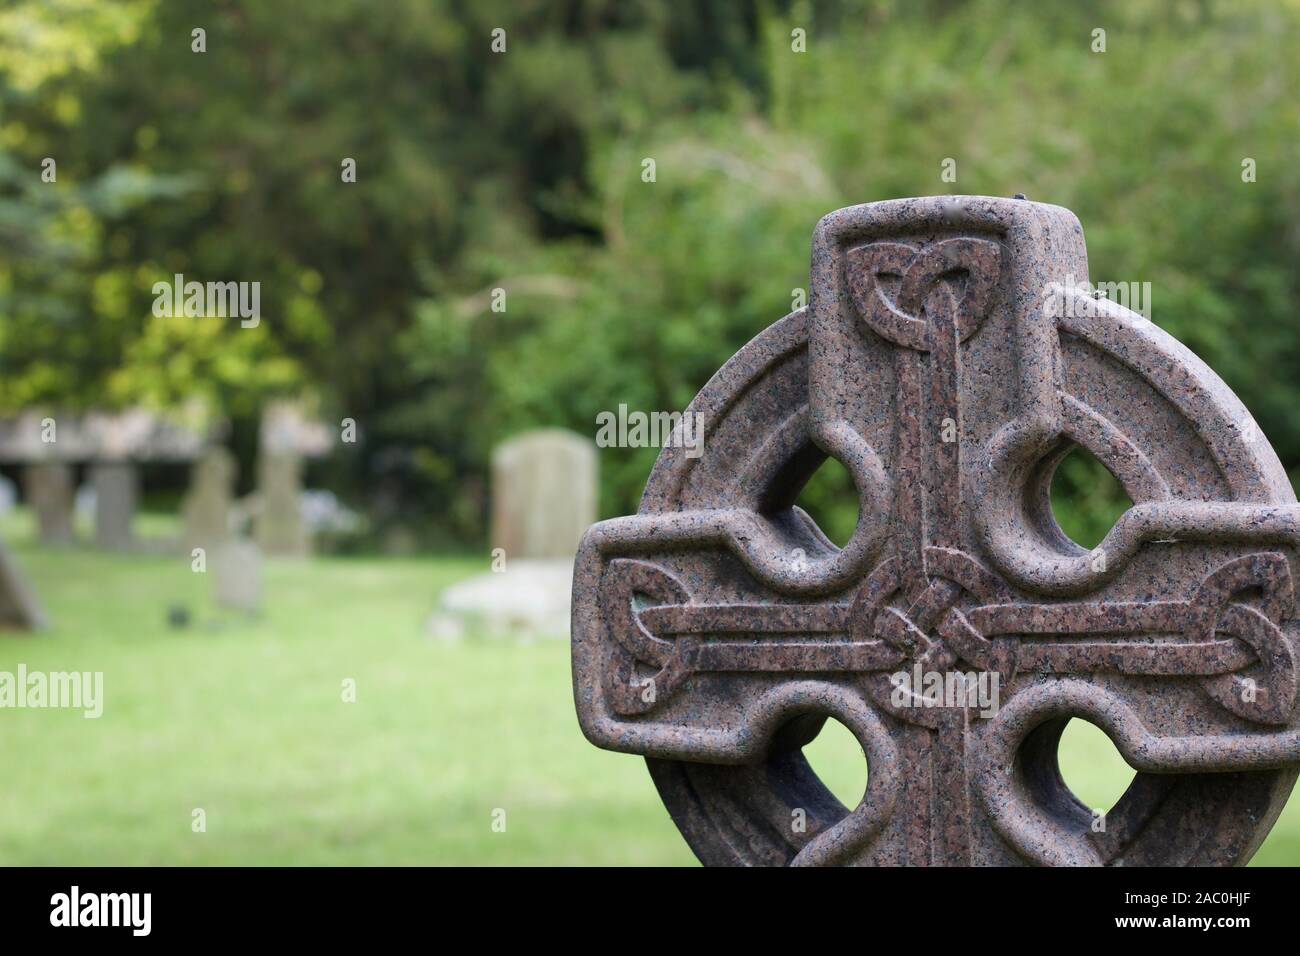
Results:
x,y
8,495
527,600
116,496
950,361
20,609
543,498
236,568
48,490
543,494
135,433
113,444
83,505
287,435
206,508
281,530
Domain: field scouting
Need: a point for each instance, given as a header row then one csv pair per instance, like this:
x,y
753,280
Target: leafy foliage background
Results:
x,y
522,170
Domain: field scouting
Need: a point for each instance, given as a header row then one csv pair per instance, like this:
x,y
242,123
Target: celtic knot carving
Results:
x,y
999,635
950,282
939,363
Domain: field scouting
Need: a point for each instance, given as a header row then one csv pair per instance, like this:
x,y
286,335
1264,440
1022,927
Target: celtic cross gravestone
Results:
x,y
950,360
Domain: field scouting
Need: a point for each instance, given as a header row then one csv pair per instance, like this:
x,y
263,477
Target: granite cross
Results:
x,y
950,361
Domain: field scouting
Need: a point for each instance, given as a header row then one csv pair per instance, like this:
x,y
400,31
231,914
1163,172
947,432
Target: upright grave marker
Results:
x,y
948,361
287,435
20,609
237,575
48,488
543,499
280,528
116,494
543,493
206,509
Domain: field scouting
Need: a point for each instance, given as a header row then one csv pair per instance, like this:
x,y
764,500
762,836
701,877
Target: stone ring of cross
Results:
x,y
950,357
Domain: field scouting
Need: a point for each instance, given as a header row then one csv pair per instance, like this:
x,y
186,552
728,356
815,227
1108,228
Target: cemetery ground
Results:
x,y
246,721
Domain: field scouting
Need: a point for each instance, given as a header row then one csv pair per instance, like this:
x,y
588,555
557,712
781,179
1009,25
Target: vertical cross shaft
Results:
x,y
935,318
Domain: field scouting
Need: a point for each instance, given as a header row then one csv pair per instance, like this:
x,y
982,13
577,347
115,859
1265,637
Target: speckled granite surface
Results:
x,y
949,361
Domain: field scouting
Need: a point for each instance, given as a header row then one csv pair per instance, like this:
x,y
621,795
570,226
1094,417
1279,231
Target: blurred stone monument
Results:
x,y
113,443
220,526
47,487
280,528
116,496
543,494
48,444
19,607
206,508
116,444
8,495
526,600
543,500
237,575
287,435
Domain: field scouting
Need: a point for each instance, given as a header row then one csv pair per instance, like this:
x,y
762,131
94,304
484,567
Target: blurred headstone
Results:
x,y
47,487
525,601
280,528
543,499
8,495
543,494
116,493
19,607
236,566
206,509
287,434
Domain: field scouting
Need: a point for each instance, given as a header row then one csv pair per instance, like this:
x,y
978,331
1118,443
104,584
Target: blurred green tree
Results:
x,y
522,171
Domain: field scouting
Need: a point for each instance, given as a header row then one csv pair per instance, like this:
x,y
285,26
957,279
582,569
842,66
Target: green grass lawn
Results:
x,y
246,721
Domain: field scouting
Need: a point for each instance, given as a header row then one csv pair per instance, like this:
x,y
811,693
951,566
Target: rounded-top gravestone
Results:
x,y
543,493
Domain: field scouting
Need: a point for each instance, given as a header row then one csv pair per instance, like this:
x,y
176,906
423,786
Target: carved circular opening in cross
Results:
x,y
950,360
